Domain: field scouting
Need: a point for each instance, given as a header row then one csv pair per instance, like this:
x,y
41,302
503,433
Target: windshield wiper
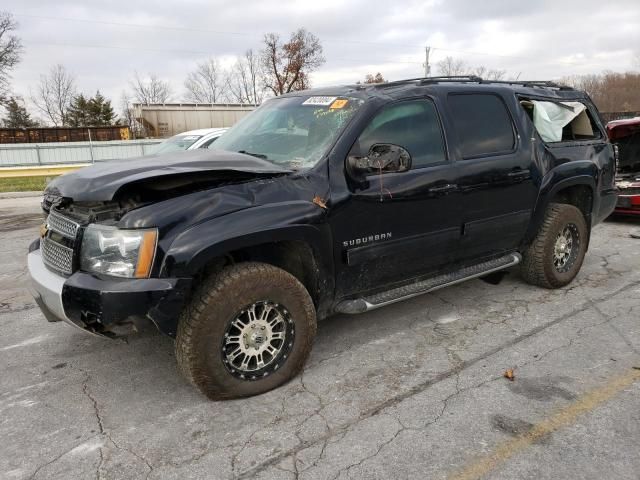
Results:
x,y
257,155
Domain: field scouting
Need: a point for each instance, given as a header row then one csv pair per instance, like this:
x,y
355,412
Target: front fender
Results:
x,y
298,220
563,176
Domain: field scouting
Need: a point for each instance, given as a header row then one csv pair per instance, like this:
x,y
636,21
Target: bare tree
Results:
x,y
377,78
287,66
611,91
151,89
127,115
207,83
54,94
451,67
244,81
487,74
10,50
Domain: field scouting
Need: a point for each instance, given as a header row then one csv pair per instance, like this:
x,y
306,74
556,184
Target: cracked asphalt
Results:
x,y
413,390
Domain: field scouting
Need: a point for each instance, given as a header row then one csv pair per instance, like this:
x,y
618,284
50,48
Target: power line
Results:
x,y
467,52
185,52
254,35
194,29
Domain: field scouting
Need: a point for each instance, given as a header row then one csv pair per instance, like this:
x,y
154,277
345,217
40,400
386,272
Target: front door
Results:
x,y
395,226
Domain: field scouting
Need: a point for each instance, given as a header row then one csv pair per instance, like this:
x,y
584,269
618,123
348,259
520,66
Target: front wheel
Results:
x,y
248,329
555,256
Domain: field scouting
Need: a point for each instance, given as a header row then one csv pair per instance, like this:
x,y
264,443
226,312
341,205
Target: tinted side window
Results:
x,y
413,125
482,123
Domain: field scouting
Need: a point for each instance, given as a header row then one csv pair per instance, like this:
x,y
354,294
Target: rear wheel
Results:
x,y
248,330
556,254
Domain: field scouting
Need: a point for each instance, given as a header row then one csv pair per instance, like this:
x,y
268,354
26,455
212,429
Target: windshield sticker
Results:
x,y
190,137
319,101
340,103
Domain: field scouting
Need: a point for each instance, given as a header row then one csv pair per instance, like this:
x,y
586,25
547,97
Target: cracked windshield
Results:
x,y
293,132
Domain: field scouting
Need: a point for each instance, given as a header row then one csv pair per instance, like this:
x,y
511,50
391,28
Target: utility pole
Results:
x,y
427,67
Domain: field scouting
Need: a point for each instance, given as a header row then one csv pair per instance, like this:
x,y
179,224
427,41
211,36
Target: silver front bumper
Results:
x,y
46,288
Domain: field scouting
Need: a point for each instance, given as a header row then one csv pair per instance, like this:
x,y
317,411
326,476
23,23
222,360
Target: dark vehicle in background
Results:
x,y
334,200
626,135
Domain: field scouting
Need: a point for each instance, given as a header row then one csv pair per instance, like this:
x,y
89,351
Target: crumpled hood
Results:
x,y
102,181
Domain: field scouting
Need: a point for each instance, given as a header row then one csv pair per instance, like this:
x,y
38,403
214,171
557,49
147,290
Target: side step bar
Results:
x,y
364,304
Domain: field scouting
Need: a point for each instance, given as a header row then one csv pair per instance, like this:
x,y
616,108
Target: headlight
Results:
x,y
121,253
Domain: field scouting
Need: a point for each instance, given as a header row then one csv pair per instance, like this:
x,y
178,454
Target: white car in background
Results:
x,y
190,140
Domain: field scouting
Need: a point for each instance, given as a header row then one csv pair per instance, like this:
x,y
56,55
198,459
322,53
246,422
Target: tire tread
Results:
x,y
193,319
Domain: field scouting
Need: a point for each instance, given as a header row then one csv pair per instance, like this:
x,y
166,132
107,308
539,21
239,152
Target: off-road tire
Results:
x,y
537,267
216,303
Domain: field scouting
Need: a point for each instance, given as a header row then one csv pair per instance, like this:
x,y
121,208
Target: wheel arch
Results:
x,y
278,238
573,185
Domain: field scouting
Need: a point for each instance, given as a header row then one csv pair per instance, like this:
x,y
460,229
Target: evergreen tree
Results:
x,y
17,115
90,112
101,112
78,114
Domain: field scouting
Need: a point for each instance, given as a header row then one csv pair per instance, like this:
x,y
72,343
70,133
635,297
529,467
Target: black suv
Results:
x,y
335,200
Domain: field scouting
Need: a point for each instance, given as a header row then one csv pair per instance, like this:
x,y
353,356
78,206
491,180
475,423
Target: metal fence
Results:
x,y
33,154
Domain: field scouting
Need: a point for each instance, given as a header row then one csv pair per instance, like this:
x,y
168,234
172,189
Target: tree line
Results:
x,y
279,67
610,91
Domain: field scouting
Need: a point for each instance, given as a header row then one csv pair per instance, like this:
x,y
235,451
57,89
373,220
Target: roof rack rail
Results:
x,y
452,78
423,80
472,79
532,83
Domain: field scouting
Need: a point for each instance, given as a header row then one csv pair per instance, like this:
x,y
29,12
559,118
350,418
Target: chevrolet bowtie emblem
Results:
x,y
44,228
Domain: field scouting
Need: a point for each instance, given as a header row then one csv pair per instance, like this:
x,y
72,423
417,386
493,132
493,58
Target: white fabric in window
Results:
x,y
550,118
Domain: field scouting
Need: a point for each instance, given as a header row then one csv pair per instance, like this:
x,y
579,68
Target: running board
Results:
x,y
364,304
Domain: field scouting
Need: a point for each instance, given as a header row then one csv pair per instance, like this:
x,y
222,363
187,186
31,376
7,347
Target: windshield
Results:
x,y
294,132
176,143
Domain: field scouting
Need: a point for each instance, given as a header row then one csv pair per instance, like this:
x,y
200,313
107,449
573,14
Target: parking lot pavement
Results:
x,y
414,390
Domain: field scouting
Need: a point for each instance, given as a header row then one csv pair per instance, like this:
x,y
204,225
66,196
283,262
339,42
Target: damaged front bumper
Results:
x,y
106,306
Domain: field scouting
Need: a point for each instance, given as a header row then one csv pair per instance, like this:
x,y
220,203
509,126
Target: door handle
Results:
x,y
518,174
443,189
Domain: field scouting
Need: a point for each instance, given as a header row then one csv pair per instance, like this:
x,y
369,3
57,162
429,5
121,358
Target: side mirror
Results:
x,y
382,158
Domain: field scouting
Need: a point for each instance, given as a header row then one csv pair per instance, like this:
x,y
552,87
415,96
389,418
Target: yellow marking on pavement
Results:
x,y
39,171
564,417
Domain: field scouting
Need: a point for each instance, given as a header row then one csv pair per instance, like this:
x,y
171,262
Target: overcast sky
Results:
x,y
103,43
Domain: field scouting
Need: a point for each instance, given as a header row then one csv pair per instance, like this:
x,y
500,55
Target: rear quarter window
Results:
x,y
482,124
561,122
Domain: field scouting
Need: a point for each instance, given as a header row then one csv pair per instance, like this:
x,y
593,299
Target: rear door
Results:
x,y
496,171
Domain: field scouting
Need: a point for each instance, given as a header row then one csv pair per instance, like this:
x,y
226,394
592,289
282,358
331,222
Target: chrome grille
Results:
x,y
62,225
56,256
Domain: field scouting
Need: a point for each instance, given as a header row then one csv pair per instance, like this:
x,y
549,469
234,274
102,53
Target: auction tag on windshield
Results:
x,y
340,103
319,101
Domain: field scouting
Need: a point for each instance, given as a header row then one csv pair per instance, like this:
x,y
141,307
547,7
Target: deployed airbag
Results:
x,y
550,118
